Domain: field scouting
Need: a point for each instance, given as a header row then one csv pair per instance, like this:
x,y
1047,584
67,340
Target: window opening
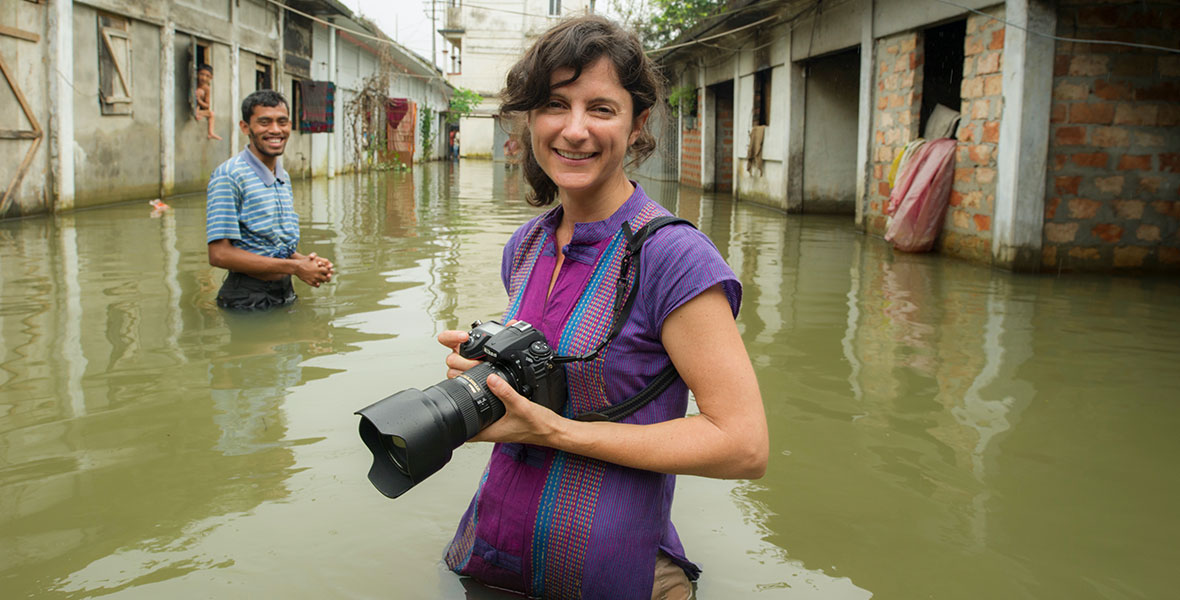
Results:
x,y
942,69
200,53
296,101
762,97
554,8
262,76
114,65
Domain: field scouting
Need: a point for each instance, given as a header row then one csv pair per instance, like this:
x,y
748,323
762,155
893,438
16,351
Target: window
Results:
x,y
114,65
554,8
296,101
762,97
262,76
199,53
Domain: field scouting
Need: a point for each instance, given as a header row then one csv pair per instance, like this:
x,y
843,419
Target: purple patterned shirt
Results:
x,y
557,525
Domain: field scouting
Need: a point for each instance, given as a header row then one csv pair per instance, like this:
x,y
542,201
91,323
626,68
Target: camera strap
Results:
x,y
624,302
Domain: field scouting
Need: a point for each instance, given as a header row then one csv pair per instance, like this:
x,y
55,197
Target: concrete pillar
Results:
x,y
864,113
704,120
1023,149
235,87
235,94
61,104
167,109
280,57
736,148
332,77
797,107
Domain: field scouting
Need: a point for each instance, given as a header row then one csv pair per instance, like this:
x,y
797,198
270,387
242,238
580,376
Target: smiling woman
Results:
x,y
570,508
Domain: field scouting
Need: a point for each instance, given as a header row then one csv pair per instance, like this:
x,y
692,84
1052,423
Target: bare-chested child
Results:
x,y
204,94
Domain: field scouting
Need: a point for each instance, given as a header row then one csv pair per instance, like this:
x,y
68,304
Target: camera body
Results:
x,y
412,433
520,354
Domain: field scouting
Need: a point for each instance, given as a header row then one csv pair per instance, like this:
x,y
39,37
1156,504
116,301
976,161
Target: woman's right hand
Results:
x,y
456,364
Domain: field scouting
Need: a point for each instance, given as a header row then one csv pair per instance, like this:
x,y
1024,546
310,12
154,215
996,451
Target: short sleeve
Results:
x,y
678,263
221,207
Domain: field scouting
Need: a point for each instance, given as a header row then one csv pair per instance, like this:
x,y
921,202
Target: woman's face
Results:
x,y
581,135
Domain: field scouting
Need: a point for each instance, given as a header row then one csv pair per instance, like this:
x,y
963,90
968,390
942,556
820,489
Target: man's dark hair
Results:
x,y
205,67
262,98
576,44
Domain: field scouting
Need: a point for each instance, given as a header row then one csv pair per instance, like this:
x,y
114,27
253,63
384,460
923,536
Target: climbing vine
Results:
x,y
463,103
426,128
682,100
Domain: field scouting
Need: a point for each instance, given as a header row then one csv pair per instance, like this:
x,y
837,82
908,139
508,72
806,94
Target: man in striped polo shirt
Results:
x,y
250,221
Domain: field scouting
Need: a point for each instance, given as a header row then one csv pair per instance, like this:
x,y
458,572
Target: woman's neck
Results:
x,y
595,205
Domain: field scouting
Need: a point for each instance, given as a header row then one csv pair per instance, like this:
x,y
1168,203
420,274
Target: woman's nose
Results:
x,y
575,126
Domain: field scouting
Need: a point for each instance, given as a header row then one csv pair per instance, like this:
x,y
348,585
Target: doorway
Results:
x,y
832,99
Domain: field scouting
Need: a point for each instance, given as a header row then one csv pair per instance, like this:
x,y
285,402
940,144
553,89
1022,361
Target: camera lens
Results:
x,y
413,433
396,448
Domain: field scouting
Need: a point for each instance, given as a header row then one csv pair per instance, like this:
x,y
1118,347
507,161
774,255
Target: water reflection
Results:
x,y
937,429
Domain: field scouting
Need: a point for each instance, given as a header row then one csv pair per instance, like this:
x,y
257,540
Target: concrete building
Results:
x,y
1068,151
484,39
100,94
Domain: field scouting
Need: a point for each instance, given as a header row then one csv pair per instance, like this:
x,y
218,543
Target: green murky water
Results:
x,y
938,430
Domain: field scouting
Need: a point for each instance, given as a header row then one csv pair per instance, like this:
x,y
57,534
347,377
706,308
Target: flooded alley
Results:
x,y
937,429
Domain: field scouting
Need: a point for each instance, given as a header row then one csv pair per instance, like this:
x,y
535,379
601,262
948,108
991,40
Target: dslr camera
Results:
x,y
413,433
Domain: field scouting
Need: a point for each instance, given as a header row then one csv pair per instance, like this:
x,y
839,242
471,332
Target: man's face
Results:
x,y
268,129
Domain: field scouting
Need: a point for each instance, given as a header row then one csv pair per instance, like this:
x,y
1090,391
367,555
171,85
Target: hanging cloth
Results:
x,y
919,216
317,114
395,111
754,151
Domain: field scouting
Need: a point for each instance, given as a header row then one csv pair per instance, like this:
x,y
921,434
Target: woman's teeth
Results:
x,y
575,155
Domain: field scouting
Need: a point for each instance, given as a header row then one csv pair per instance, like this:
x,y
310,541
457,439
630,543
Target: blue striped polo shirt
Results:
x,y
251,206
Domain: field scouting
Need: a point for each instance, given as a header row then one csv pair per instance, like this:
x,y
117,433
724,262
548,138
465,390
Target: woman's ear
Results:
x,y
637,126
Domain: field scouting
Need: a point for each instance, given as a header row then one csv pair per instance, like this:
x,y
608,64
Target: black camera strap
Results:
x,y
624,301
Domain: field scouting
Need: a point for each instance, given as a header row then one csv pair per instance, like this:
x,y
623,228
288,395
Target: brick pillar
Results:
x,y
896,117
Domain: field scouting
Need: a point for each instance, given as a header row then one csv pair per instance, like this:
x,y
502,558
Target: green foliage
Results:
x,y
426,127
463,103
682,100
670,18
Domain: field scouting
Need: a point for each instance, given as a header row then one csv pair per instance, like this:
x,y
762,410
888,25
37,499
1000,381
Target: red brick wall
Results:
x,y
1114,151
690,152
896,116
967,229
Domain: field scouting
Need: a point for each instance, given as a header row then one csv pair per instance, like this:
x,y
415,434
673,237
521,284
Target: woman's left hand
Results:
x,y
524,421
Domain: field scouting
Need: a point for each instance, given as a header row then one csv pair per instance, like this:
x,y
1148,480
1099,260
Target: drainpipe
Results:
x,y
1023,149
864,118
61,104
332,77
168,108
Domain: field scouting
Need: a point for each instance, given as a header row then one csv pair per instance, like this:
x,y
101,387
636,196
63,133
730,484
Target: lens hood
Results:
x,y
410,438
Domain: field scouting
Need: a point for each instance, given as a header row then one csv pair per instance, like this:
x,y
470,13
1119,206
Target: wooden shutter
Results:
x,y
114,65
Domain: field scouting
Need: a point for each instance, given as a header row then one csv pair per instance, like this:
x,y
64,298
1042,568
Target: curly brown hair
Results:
x,y
576,44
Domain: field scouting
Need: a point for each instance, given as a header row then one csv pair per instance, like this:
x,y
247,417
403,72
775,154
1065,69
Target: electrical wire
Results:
x,y
1059,38
715,36
357,34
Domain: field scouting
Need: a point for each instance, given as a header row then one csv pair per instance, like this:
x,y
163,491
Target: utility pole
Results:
x,y
433,36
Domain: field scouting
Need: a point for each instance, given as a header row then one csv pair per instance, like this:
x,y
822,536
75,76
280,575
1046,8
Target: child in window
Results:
x,y
204,95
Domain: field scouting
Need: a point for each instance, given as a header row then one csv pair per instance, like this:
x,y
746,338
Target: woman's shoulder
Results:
x,y
681,261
